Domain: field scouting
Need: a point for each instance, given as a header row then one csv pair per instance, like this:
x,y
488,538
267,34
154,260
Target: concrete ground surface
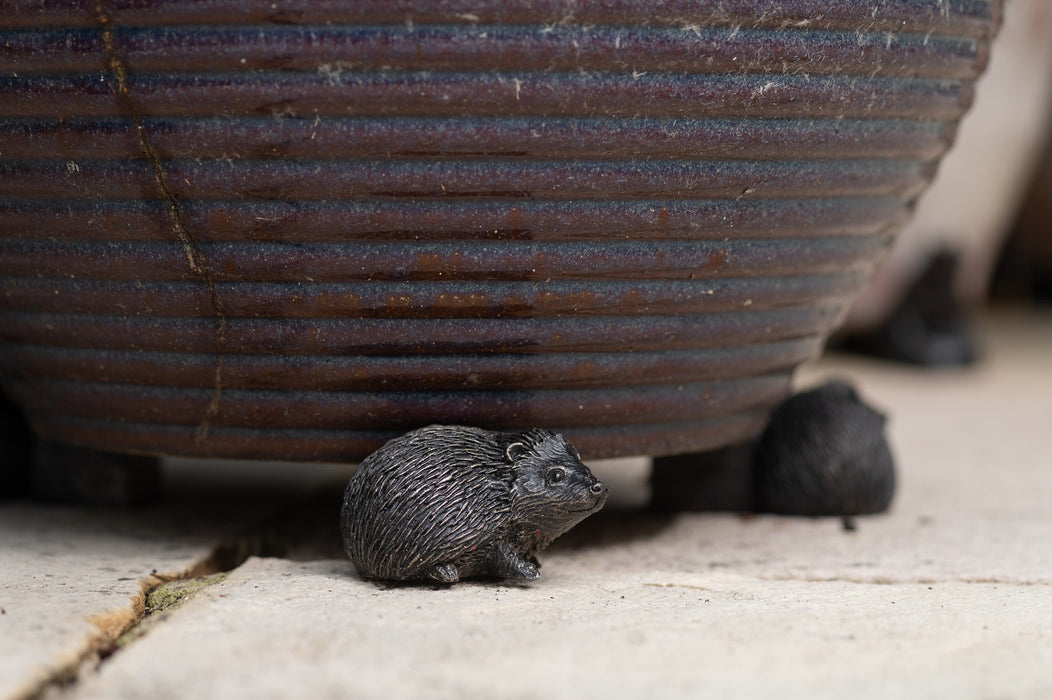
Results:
x,y
947,596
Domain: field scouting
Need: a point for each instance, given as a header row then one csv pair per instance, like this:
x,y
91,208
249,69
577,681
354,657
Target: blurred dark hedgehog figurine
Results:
x,y
444,503
824,453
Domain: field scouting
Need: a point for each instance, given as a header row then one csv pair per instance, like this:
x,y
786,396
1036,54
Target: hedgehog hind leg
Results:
x,y
445,573
508,564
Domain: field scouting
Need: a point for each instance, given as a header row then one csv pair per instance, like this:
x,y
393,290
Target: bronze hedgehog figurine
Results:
x,y
448,502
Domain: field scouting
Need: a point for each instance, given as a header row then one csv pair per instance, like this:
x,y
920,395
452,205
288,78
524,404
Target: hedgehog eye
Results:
x,y
555,475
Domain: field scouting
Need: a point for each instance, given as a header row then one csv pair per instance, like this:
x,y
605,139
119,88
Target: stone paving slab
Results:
x,y
72,578
277,628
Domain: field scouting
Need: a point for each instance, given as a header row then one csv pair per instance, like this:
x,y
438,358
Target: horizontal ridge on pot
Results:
x,y
235,229
455,219
447,137
968,18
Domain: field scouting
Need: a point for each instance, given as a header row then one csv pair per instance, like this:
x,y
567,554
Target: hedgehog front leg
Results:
x,y
445,573
508,564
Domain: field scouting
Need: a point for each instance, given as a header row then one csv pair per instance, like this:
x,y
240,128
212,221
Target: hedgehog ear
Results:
x,y
514,451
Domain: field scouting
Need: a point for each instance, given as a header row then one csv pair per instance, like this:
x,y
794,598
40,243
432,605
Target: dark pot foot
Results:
x,y
16,450
83,476
823,453
928,327
719,480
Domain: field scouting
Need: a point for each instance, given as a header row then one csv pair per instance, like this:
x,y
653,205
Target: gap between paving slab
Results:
x,y
629,603
277,628
160,602
73,579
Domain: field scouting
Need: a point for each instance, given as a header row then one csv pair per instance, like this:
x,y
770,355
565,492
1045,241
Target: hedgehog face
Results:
x,y
553,489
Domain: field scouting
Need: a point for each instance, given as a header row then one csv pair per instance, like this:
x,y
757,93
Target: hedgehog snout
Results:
x,y
597,491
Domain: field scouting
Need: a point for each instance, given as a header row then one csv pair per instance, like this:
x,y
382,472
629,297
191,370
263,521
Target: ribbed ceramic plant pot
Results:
x,y
292,230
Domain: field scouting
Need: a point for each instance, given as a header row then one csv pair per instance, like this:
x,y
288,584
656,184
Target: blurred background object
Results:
x,y
971,207
1025,267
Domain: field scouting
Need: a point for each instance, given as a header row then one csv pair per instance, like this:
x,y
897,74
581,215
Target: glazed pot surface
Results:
x,y
239,231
